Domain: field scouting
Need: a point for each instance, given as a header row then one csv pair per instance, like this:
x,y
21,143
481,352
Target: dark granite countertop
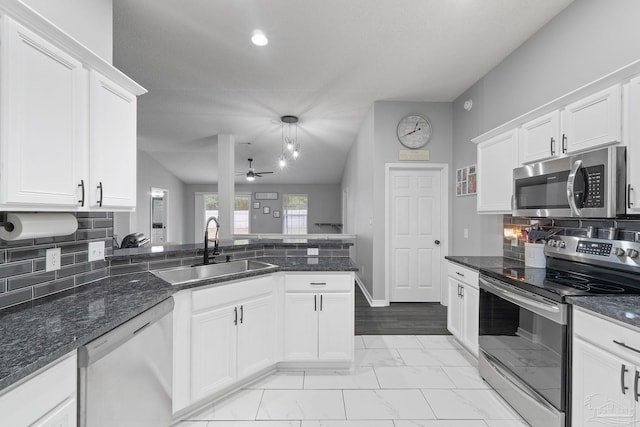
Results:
x,y
34,334
232,244
623,308
486,262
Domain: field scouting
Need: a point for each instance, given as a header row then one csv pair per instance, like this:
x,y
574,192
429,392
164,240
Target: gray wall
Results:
x,y
589,39
324,205
376,145
88,21
153,174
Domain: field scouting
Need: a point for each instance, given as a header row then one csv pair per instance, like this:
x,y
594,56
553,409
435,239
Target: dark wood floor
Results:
x,y
400,318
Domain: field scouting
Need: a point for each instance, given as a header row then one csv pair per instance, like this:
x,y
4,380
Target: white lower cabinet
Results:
x,y
463,308
222,334
318,318
605,372
51,394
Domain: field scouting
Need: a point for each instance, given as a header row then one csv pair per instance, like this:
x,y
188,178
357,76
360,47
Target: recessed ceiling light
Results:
x,y
259,39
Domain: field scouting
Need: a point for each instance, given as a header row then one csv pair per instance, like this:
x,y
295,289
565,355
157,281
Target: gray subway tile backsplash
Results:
x,y
22,262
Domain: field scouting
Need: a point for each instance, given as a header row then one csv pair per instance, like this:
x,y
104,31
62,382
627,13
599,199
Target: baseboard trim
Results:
x,y
372,302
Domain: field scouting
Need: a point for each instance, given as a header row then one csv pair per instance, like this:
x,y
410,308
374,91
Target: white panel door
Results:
x,y
593,121
43,119
335,327
213,351
300,326
256,336
112,146
599,378
540,138
414,229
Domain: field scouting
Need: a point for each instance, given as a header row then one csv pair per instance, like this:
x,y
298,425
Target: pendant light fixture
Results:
x,y
290,146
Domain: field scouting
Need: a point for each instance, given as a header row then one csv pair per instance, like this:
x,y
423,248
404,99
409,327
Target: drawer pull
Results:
x,y
623,370
459,274
621,344
318,283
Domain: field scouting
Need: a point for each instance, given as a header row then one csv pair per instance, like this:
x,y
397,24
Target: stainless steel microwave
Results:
x,y
587,185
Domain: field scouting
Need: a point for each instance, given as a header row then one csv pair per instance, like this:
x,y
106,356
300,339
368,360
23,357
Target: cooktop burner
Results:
x,y
566,278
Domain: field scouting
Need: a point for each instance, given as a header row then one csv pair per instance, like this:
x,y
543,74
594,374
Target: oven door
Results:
x,y
523,342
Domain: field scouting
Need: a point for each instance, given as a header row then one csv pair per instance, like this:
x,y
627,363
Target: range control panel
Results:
x,y
594,248
619,253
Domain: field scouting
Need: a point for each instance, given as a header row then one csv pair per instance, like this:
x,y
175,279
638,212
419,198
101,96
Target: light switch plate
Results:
x,y
52,259
312,252
96,251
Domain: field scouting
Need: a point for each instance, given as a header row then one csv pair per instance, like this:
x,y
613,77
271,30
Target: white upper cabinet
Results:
x,y
497,157
112,145
632,138
42,108
540,138
68,136
593,121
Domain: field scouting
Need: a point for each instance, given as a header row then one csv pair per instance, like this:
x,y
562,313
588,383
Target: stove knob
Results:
x,y
563,244
618,251
554,243
632,253
550,242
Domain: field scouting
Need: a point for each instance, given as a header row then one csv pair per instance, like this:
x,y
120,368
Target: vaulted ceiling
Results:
x,y
327,61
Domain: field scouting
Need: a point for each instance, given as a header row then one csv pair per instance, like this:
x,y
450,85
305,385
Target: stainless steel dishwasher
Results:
x,y
125,376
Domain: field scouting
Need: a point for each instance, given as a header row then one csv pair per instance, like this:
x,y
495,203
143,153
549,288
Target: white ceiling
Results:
x,y
327,61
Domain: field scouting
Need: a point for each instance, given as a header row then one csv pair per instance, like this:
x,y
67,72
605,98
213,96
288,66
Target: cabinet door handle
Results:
x,y
459,274
628,347
81,185
624,370
459,290
320,302
553,152
101,192
462,291
635,386
241,314
235,319
564,143
315,303
629,202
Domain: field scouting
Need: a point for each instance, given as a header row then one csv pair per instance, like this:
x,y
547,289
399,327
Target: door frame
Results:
x,y
443,168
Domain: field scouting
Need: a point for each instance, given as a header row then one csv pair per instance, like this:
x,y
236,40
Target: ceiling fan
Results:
x,y
252,174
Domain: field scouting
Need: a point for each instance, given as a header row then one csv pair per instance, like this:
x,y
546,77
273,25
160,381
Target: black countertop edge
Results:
x,y
36,333
485,262
231,245
624,308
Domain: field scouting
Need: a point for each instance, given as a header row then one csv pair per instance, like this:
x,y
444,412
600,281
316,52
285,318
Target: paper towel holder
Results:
x,y
4,223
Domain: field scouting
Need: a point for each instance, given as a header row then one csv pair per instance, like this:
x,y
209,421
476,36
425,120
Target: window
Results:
x,y
240,212
295,208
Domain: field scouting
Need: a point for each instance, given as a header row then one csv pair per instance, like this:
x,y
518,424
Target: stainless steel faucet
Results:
x,y
205,259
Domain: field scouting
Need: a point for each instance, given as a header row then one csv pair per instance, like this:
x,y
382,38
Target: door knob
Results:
x,y
437,242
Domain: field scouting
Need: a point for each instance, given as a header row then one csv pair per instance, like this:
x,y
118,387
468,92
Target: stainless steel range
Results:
x,y
525,322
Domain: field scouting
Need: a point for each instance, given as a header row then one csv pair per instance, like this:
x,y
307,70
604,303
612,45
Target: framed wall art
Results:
x,y
466,181
266,210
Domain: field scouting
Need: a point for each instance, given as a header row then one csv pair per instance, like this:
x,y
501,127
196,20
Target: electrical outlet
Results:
x,y
96,251
514,242
465,233
312,252
53,259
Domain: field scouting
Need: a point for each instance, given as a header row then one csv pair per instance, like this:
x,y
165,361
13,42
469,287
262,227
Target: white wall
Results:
x,y
364,178
153,174
88,21
324,205
588,39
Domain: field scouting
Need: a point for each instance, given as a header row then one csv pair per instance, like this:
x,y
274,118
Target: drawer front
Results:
x,y
602,333
463,274
318,282
230,293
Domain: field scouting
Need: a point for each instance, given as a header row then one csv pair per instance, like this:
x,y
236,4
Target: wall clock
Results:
x,y
414,131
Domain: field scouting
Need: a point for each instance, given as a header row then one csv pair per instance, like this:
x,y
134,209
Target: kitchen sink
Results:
x,y
182,275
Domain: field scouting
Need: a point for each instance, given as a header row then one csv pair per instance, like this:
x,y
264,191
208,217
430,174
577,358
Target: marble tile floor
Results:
x,y
396,381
